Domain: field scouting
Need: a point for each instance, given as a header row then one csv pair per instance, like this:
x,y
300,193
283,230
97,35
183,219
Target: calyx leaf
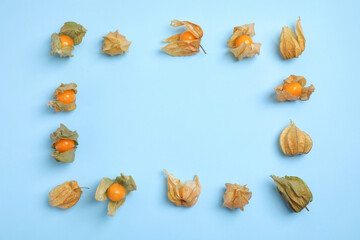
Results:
x,y
65,195
294,191
236,196
244,51
283,95
115,43
56,47
101,192
60,106
64,133
292,45
74,30
177,47
183,194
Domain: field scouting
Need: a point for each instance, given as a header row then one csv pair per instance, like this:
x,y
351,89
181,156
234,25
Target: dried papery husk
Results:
x,y
64,133
244,51
60,106
56,47
293,141
115,44
75,31
65,195
190,190
101,192
292,45
236,196
283,95
176,47
294,191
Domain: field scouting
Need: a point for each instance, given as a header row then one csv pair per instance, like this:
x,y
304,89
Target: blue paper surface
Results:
x,y
205,114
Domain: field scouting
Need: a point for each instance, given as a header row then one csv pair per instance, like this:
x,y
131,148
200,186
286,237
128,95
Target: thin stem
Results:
x,y
307,209
85,187
202,49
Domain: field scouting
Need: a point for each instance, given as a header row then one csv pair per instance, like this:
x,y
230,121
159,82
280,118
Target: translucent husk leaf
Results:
x,y
115,43
293,141
294,191
283,95
236,196
60,106
176,47
64,133
292,45
190,190
244,51
101,192
73,30
65,195
104,184
114,206
57,48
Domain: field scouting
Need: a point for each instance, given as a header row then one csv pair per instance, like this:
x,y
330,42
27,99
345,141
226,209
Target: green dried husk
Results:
x,y
73,30
101,192
56,47
294,191
64,133
60,106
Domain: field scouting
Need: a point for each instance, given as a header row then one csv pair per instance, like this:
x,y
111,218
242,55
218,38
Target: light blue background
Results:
x,y
206,114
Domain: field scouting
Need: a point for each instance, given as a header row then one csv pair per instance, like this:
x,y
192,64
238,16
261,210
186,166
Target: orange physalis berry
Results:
x,y
243,39
67,96
64,145
181,192
187,36
116,192
294,88
66,41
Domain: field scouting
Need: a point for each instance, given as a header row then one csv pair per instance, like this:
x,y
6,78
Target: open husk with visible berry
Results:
x,y
183,194
115,44
64,133
177,47
236,196
101,192
65,195
283,95
60,106
244,51
71,29
292,45
293,141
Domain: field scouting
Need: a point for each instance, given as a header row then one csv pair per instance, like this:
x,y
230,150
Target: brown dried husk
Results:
x,y
283,95
236,196
244,51
115,43
292,45
191,190
176,47
65,195
60,106
293,141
